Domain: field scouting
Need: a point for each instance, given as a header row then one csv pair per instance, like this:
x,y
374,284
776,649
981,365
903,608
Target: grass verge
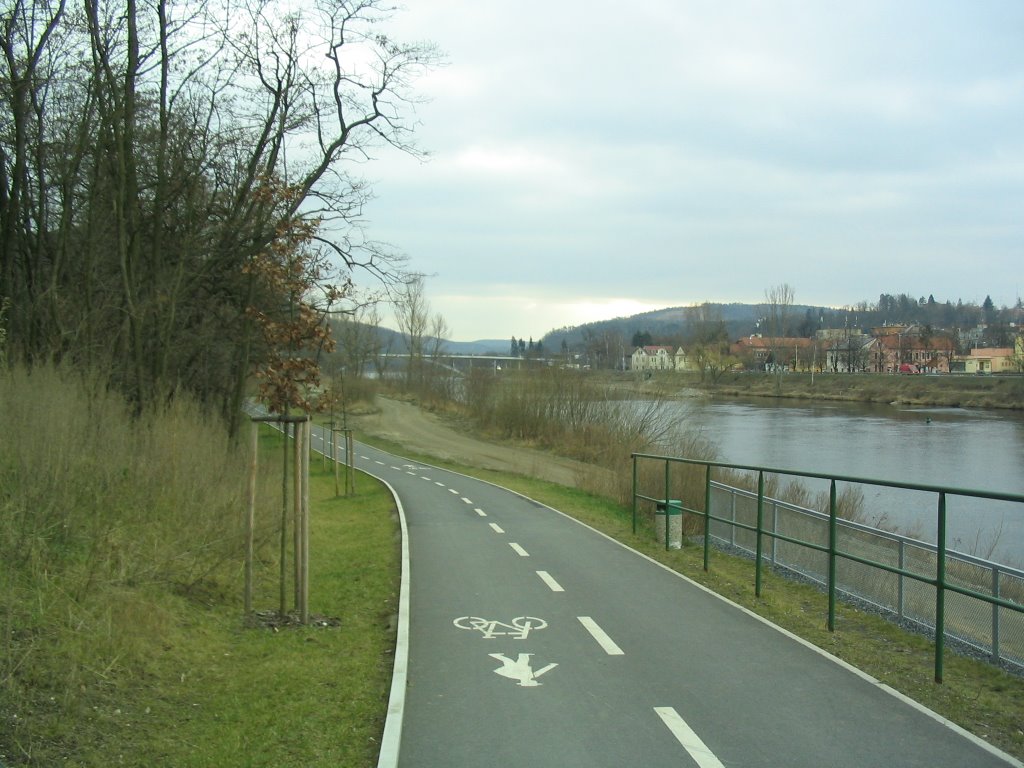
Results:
x,y
188,683
978,697
294,696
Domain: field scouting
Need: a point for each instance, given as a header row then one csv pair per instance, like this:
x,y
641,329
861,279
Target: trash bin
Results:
x,y
674,509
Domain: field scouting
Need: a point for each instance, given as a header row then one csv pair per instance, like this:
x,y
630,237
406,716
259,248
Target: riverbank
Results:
x,y
940,391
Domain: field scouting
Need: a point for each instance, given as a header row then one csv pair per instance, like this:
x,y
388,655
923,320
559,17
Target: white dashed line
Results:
x,y
439,484
691,741
452,490
600,636
375,461
553,585
480,512
519,550
466,500
497,528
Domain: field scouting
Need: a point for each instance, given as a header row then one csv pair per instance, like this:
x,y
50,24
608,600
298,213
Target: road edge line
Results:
x,y
977,740
391,739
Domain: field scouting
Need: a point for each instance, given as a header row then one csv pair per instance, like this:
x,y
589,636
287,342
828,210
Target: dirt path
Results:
x,y
426,433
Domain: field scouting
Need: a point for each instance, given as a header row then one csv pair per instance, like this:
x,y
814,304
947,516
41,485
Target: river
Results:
x,y
952,447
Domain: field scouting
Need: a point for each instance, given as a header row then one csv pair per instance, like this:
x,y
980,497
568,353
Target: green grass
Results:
x,y
122,633
216,692
296,696
110,661
979,697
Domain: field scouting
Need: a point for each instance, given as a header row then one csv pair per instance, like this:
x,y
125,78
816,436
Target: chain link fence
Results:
x,y
989,629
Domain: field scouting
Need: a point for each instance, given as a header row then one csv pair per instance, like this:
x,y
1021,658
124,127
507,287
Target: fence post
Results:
x,y
668,515
757,533
306,448
732,509
334,459
775,531
995,614
940,588
634,492
283,586
297,443
900,597
707,516
832,533
350,458
250,518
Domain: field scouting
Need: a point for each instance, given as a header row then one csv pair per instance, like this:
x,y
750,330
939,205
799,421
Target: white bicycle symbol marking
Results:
x,y
518,628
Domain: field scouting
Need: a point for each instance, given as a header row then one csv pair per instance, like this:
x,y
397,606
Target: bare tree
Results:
x,y
778,300
441,377
708,340
149,153
358,338
412,314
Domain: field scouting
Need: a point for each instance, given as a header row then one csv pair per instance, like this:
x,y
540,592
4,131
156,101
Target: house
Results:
x,y
853,354
992,360
927,353
654,358
758,352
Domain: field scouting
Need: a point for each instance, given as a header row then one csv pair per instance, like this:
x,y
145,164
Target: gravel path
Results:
x,y
424,432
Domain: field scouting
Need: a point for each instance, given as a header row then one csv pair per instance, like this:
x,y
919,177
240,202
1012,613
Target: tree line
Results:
x,y
179,196
705,326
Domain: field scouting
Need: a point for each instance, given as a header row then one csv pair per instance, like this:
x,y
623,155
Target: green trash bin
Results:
x,y
673,510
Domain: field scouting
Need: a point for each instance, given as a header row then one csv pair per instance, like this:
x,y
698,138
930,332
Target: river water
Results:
x,y
976,449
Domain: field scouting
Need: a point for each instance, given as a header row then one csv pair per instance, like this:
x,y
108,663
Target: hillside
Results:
x,y
988,325
677,324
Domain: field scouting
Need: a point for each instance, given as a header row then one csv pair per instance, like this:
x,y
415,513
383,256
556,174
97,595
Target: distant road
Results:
x,y
426,433
536,641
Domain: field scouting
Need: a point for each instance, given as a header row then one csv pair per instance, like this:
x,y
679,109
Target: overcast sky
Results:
x,y
593,159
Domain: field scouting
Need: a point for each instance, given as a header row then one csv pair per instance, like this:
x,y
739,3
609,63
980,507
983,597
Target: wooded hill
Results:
x,y
680,325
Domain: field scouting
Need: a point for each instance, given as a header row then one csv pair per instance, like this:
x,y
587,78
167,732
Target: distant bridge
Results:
x,y
464,363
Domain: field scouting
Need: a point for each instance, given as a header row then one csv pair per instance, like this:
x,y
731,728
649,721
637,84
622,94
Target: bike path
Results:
x,y
614,660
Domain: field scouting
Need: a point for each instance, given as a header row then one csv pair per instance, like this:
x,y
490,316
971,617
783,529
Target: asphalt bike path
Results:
x,y
535,640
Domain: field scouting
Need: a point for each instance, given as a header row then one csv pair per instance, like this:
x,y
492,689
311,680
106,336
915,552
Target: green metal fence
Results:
x,y
915,580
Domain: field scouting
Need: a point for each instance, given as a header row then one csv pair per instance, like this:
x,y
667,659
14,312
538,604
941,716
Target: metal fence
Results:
x,y
956,596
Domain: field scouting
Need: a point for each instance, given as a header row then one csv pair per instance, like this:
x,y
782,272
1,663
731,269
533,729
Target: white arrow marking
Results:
x,y
520,669
691,741
600,636
552,584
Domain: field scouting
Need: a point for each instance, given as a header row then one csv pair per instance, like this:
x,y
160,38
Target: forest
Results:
x,y
180,192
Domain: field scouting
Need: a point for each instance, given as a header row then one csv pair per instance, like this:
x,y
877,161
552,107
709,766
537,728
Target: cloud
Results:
x,y
586,153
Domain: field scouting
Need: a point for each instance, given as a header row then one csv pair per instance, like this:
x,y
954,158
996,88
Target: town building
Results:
x,y
991,360
655,358
759,353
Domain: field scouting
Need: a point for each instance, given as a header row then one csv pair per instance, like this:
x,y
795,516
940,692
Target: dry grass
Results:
x,y
108,524
582,417
927,391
